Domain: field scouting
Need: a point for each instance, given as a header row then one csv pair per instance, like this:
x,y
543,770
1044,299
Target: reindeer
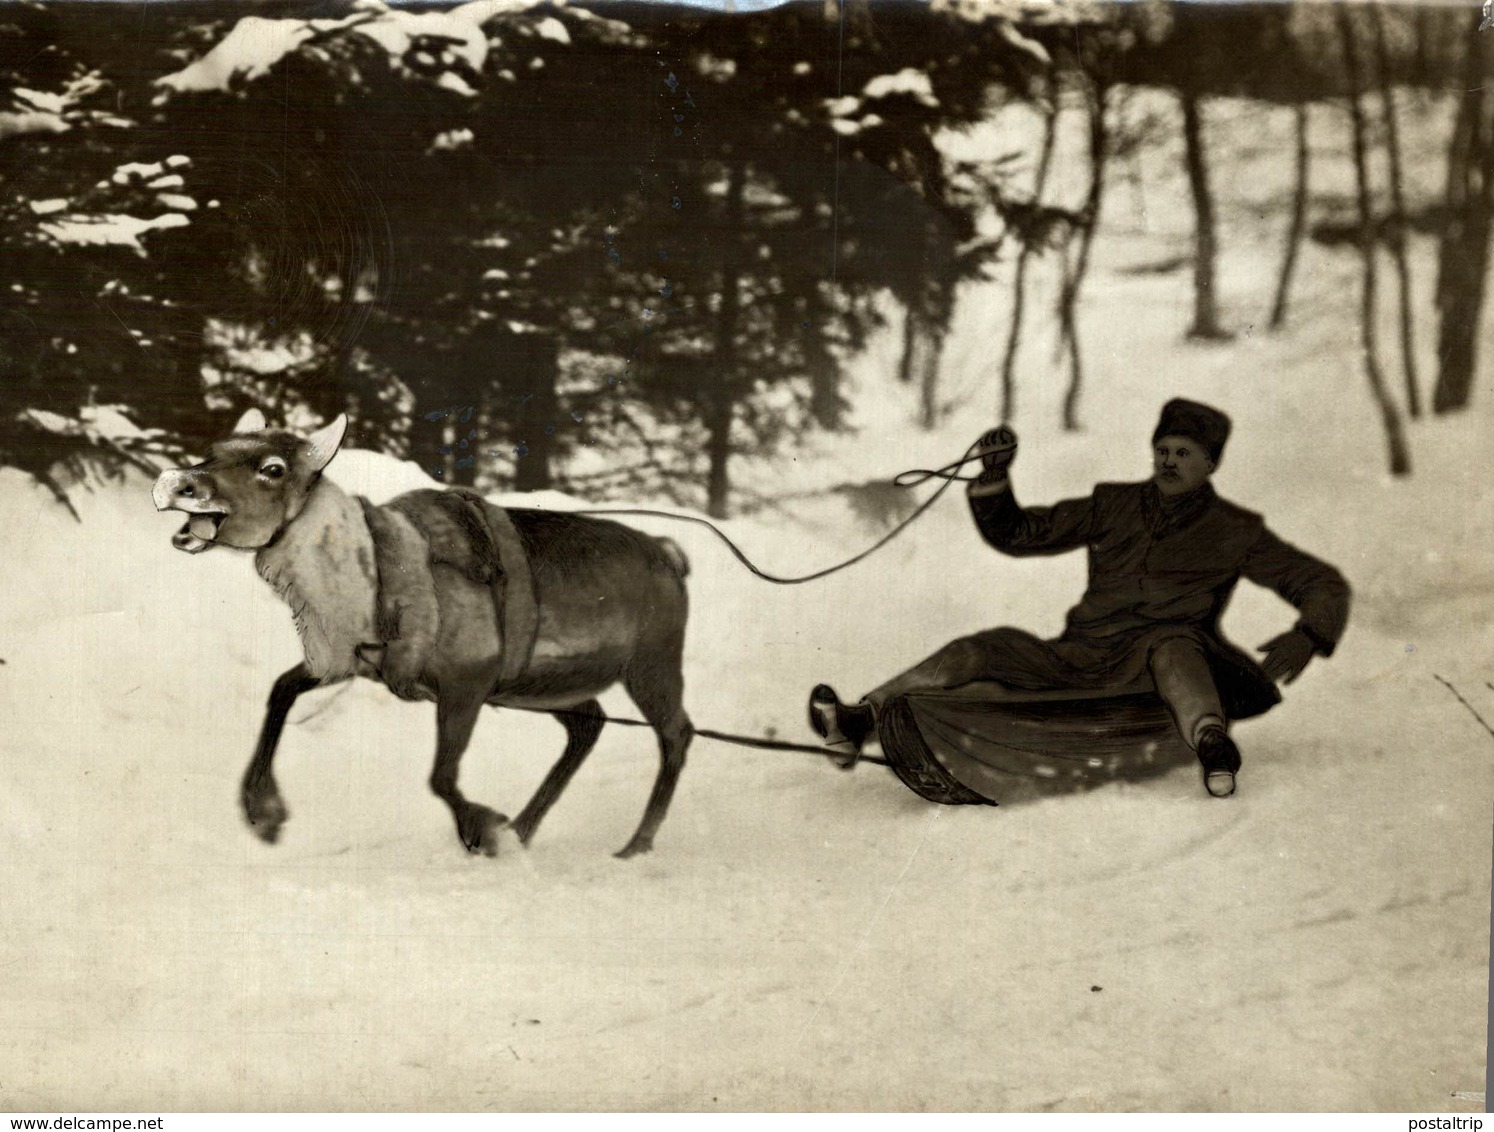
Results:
x,y
608,605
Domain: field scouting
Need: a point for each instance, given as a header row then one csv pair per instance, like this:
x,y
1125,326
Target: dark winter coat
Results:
x,y
1158,568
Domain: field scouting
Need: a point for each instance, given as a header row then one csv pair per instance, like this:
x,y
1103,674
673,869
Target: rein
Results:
x,y
911,478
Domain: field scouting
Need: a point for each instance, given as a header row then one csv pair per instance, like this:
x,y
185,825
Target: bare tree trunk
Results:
x,y
923,350
721,398
825,403
925,327
1024,255
1463,261
1400,456
535,361
720,412
1096,92
859,26
928,379
910,345
1397,227
1206,241
1423,34
1299,223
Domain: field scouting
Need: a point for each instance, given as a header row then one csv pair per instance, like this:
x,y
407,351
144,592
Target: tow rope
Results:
x,y
912,478
720,736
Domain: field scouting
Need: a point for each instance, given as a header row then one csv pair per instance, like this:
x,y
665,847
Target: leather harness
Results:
x,y
459,529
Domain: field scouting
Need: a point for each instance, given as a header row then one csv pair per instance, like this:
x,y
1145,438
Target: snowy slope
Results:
x,y
800,938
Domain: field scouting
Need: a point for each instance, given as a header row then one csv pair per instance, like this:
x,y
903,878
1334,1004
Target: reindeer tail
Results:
x,y
678,562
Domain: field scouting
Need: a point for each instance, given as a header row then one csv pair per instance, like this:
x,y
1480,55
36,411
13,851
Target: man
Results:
x,y
1164,557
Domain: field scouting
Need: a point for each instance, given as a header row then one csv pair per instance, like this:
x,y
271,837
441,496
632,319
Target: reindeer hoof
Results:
x,y
633,848
481,830
265,814
268,832
522,830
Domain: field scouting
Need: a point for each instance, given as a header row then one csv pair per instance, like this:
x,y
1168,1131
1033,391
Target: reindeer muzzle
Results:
x,y
191,492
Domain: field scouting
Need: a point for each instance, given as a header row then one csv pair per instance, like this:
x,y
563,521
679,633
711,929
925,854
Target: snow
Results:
x,y
110,421
910,82
907,83
452,140
481,11
552,29
35,112
800,937
14,123
248,52
1023,43
256,44
153,171
110,229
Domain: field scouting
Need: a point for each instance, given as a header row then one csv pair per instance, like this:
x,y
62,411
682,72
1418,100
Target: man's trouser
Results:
x,y
1178,666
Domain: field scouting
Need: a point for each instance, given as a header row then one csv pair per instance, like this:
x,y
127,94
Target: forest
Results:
x,y
623,249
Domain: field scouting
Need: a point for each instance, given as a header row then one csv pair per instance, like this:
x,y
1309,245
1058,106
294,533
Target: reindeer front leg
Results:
x,y
477,825
263,806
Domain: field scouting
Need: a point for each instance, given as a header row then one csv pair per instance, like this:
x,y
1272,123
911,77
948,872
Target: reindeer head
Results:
x,y
250,486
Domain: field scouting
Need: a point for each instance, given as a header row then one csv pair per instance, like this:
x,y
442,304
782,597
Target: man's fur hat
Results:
x,y
1197,422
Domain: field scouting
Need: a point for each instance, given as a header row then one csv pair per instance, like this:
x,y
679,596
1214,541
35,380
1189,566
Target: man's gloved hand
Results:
x,y
1287,655
997,449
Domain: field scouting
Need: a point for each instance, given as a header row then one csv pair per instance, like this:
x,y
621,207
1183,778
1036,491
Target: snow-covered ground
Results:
x,y
800,938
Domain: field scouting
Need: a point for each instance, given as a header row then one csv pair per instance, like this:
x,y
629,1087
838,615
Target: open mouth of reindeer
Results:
x,y
176,491
183,490
200,532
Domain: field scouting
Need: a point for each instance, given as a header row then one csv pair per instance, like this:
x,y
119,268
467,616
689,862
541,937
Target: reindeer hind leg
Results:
x,y
583,723
658,690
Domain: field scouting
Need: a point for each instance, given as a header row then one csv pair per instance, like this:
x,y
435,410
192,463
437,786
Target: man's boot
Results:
x,y
1221,761
844,729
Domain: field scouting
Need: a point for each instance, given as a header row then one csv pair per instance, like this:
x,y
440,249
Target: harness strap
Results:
x,y
459,529
514,597
408,618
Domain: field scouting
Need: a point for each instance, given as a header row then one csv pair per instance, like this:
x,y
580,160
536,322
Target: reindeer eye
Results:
x,y
273,468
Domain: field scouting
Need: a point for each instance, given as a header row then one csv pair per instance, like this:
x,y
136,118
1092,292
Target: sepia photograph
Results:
x,y
823,556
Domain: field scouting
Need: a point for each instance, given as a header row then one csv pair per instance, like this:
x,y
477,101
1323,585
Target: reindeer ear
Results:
x,y
323,444
252,421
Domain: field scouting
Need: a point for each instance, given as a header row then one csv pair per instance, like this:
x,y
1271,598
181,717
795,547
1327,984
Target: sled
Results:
x,y
985,744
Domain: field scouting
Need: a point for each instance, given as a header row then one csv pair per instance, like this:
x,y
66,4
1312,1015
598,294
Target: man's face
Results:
x,y
1179,465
